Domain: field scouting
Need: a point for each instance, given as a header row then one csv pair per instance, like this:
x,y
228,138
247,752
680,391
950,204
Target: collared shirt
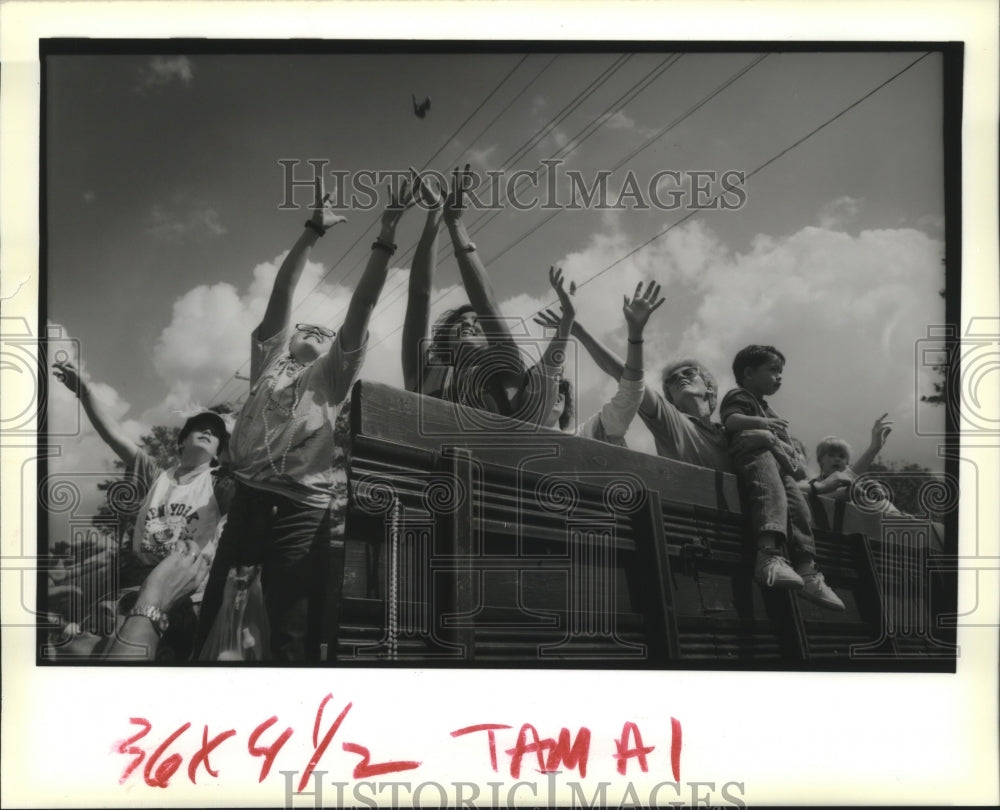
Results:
x,y
686,438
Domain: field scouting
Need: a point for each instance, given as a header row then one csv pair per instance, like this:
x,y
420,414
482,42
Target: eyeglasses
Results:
x,y
685,373
322,331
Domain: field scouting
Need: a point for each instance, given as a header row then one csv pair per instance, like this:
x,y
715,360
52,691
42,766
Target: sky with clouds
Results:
x,y
165,232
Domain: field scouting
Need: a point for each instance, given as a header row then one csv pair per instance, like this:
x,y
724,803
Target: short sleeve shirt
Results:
x,y
686,438
741,401
172,511
288,439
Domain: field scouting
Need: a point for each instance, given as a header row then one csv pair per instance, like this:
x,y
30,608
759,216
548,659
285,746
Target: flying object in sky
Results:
x,y
420,109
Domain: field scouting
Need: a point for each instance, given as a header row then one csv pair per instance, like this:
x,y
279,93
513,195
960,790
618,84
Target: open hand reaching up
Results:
x,y
68,374
454,204
400,200
323,216
640,307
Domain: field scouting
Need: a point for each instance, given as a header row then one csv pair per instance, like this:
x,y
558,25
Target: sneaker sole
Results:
x,y
822,603
781,584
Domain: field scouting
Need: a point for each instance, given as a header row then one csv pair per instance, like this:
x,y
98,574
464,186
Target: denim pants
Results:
x,y
776,504
302,570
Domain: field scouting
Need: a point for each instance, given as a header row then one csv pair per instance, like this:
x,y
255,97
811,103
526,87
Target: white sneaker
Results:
x,y
816,590
773,571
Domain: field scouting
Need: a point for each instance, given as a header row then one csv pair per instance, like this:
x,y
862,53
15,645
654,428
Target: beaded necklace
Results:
x,y
290,366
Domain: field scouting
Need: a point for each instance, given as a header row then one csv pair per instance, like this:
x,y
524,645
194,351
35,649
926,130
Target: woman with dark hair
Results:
x,y
471,358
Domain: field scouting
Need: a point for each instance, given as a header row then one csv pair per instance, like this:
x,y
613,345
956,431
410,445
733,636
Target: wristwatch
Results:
x,y
158,617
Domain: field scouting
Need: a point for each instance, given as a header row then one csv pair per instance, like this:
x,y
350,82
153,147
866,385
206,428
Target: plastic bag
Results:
x,y
240,631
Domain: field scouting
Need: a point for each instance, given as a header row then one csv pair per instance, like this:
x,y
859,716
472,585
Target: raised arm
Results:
x,y
880,432
470,266
279,305
418,302
555,352
179,574
366,294
637,312
104,423
609,362
616,416
543,378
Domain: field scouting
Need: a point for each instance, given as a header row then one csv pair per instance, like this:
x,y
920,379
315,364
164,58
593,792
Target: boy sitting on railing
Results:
x,y
778,510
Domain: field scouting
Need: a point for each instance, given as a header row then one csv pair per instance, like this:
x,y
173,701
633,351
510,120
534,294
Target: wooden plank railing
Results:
x,y
479,542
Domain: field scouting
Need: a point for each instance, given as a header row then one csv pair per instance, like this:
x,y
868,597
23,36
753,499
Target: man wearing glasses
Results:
x,y
288,451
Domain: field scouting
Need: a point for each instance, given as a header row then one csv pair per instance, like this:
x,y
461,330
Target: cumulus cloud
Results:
x,y
182,221
839,213
163,70
483,158
208,337
847,310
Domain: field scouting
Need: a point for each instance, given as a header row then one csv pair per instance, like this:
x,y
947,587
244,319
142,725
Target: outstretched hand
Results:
x,y
179,574
642,305
68,374
881,430
428,194
323,216
454,204
557,281
401,199
547,318
427,189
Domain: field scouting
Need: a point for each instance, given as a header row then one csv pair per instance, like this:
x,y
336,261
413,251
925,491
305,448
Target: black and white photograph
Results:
x,y
552,295
530,392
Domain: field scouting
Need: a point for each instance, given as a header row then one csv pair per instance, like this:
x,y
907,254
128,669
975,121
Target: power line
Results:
x,y
571,145
577,141
677,121
760,168
364,233
755,171
566,110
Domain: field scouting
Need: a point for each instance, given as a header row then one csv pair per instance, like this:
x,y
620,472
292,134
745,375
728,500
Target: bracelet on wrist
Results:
x,y
469,248
383,244
319,230
635,342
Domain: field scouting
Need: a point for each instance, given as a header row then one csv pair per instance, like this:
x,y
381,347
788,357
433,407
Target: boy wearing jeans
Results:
x,y
778,511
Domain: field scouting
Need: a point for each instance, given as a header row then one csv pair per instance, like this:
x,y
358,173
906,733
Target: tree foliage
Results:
x,y
906,479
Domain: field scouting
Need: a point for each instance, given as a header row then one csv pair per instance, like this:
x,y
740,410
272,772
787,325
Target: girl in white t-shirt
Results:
x,y
182,504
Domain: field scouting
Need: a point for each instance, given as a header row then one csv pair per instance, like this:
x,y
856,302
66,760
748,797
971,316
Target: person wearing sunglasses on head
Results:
x,y
469,355
680,416
288,452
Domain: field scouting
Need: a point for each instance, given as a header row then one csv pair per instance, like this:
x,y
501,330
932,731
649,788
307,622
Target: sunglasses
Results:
x,y
686,373
321,331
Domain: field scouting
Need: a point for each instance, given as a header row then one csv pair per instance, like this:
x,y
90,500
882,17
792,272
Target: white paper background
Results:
x,y
848,738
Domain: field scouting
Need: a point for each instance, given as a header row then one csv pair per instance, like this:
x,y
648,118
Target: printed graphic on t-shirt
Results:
x,y
167,524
